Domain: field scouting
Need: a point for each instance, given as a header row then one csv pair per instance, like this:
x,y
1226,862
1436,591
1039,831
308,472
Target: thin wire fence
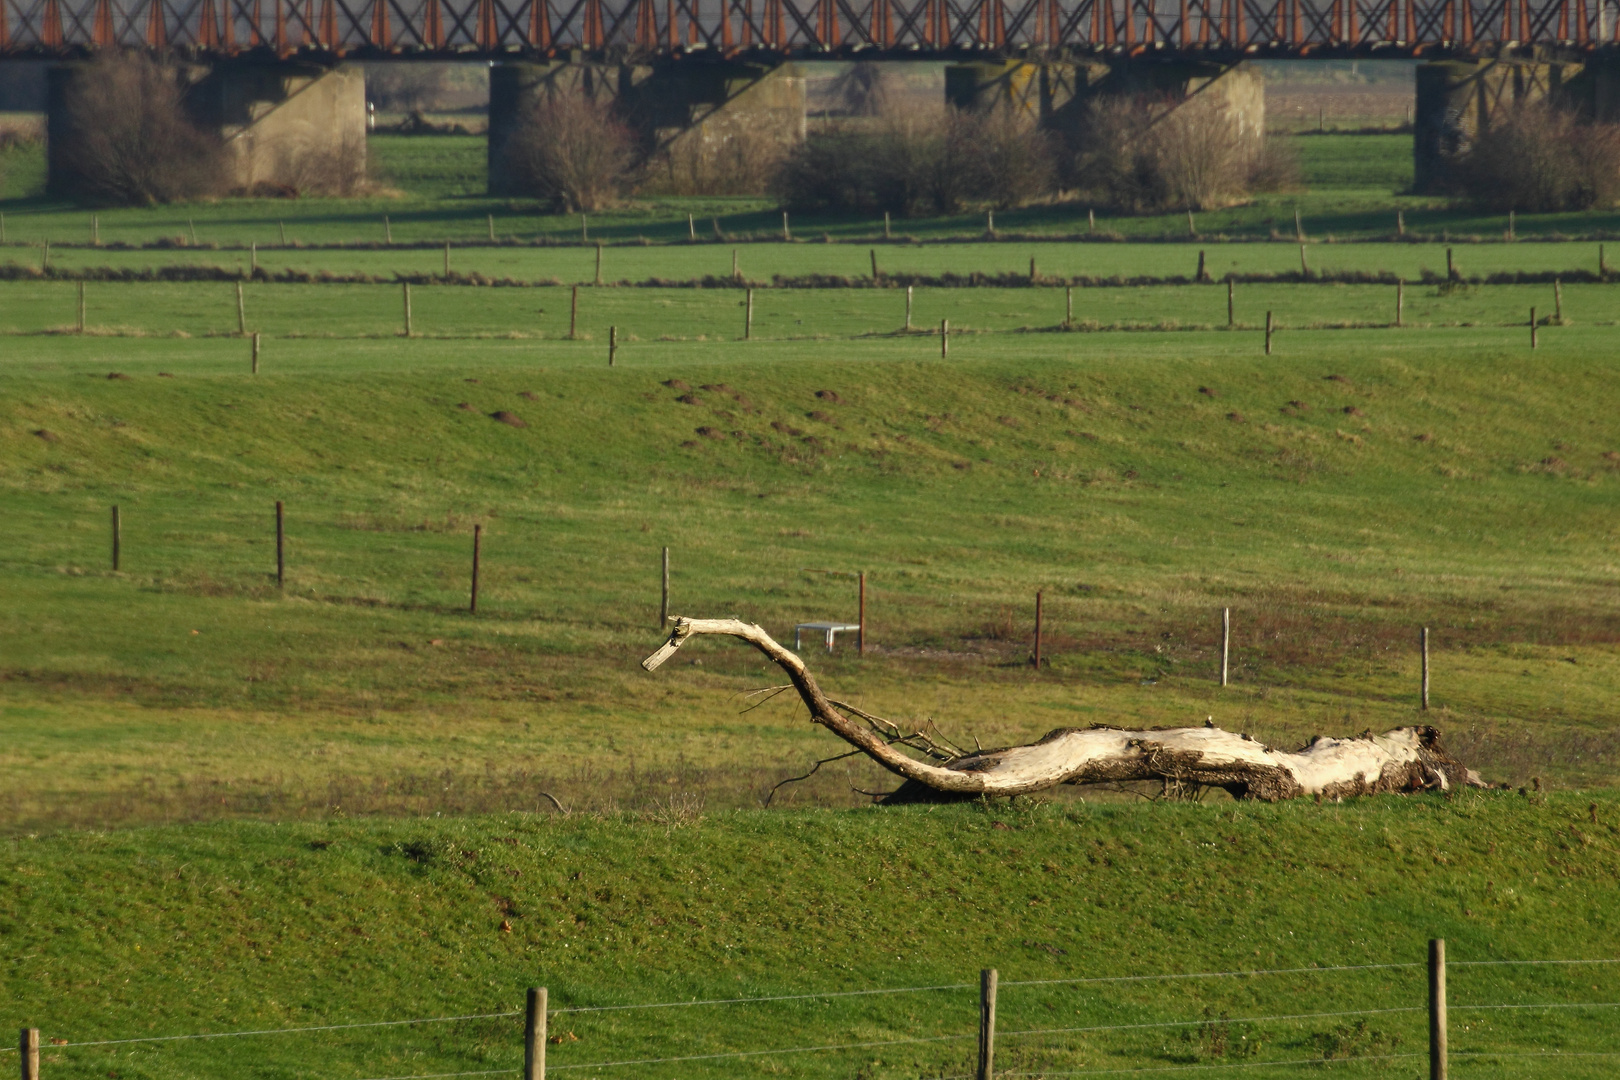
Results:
x,y
1207,1023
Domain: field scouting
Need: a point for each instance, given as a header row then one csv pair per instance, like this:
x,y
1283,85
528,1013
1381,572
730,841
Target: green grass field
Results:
x,y
235,927
236,805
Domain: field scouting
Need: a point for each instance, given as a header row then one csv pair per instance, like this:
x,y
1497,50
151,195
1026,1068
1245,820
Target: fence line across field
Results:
x,y
536,1016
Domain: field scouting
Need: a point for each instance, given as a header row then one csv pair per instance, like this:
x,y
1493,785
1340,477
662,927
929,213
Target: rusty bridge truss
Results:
x,y
509,28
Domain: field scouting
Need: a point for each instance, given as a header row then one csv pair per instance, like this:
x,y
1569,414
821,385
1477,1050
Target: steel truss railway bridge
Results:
x,y
506,29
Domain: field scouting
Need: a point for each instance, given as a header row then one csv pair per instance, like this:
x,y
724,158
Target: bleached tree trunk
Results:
x,y
1404,759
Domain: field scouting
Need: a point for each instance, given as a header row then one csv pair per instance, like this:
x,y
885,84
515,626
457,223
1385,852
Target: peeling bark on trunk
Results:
x,y
1404,759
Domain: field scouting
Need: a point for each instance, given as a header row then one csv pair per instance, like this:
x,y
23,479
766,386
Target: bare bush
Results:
x,y
129,140
725,155
571,152
1148,155
304,169
1275,167
1538,157
918,163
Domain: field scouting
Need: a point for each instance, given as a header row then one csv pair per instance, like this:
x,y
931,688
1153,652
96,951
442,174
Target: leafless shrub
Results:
x,y
1147,155
304,169
918,163
725,155
572,152
131,142
1275,166
1538,157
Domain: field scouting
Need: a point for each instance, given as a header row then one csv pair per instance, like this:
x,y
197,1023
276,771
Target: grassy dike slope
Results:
x,y
1443,480
253,925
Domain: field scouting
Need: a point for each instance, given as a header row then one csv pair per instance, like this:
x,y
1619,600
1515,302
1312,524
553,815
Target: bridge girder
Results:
x,y
1221,30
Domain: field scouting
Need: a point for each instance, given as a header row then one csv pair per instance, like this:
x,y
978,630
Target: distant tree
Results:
x,y
1538,157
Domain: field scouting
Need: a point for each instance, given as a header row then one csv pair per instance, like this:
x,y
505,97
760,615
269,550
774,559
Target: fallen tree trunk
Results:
x,y
1404,759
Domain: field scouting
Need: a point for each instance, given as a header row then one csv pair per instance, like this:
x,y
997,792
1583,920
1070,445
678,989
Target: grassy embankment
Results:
x,y
252,926
1442,477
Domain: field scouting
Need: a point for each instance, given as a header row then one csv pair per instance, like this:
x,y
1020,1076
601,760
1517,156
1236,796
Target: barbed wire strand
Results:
x,y
292,1031
1208,974
1495,963
748,1000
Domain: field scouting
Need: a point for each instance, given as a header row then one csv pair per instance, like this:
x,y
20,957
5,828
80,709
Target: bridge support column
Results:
x,y
698,122
1458,99
283,126
1057,94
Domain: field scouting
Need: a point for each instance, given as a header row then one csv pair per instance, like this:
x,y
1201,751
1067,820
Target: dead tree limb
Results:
x,y
1404,759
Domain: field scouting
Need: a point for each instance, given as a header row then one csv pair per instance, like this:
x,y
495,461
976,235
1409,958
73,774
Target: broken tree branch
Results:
x,y
1404,759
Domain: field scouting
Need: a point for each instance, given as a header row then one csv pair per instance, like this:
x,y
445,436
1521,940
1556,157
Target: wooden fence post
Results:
x,y
241,310
663,603
599,262
860,635
1038,628
1226,645
95,230
748,318
282,226
786,235
447,260
1231,303
1091,220
1400,223
944,338
1068,305
584,230
534,1035
987,1024
573,313
908,307
613,344
253,258
407,309
1423,640
81,307
491,218
478,544
735,276
1268,333
1451,267
255,361
1532,328
875,276
885,225
1202,276
1558,301
1437,1009
281,545
1192,230
1400,300
388,231
1299,229
117,538
28,1050
691,229
1304,265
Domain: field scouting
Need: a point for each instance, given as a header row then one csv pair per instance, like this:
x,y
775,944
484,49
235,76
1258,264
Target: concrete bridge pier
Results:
x,y
1056,94
284,126
1459,99
693,118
